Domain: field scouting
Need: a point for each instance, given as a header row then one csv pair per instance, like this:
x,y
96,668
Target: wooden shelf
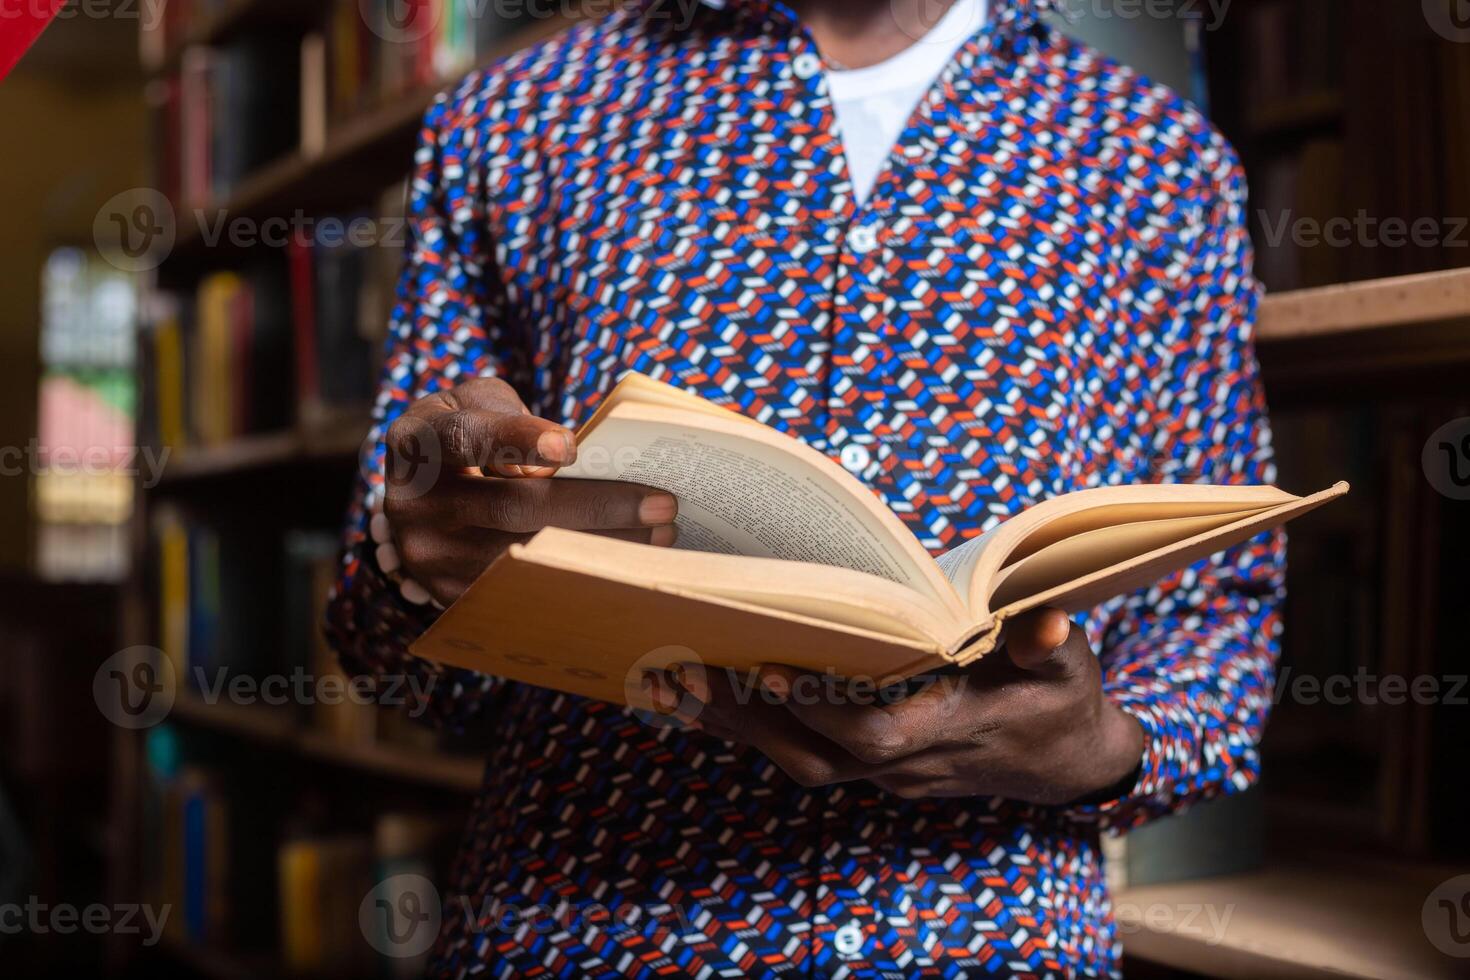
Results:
x,y
1332,919
1375,303
277,729
254,453
218,964
233,19
351,167
1297,114
459,773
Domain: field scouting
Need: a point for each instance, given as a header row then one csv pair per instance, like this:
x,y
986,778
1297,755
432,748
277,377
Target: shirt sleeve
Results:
x,y
447,326
1193,659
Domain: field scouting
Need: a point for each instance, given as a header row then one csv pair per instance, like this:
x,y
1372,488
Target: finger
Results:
x,y
864,723
481,424
1036,640
526,506
804,756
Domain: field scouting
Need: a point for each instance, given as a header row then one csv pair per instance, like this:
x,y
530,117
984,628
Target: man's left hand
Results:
x,y
1030,722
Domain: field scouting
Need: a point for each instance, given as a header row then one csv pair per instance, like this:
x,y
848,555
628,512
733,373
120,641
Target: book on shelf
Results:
x,y
380,50
232,110
326,877
782,553
293,338
215,580
322,882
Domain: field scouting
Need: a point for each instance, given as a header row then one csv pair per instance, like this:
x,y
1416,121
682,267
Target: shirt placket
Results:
x,y
846,925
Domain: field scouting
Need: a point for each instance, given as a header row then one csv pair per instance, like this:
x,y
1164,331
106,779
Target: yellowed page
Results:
x,y
1081,511
1145,567
818,592
1091,551
748,490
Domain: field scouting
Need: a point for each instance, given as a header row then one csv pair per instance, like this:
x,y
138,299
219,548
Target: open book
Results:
x,y
784,557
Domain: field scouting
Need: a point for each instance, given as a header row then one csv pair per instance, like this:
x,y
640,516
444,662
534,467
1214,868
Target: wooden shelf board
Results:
x,y
1375,303
1327,920
1307,111
251,453
263,725
355,149
218,964
276,728
461,773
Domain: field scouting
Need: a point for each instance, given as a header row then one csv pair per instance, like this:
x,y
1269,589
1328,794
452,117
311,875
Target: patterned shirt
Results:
x,y
1048,289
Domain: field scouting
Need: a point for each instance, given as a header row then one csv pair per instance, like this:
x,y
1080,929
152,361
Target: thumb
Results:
x,y
1035,638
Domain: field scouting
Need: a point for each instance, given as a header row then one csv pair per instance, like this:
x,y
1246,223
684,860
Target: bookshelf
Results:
x,y
1310,340
1353,919
287,478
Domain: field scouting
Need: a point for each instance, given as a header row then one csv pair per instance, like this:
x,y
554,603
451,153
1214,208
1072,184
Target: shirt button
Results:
x,y
806,64
848,941
855,458
862,239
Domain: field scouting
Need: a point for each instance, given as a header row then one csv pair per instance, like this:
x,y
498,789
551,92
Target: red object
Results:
x,y
21,26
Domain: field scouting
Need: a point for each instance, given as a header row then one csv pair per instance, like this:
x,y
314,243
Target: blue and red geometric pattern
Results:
x,y
1049,288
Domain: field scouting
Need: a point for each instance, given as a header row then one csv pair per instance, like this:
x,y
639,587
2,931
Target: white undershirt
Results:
x,y
874,104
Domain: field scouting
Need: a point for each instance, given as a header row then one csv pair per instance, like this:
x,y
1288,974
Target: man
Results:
x,y
1041,283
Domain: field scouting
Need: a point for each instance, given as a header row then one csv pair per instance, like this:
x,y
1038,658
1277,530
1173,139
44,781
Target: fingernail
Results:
x,y
556,446
658,508
775,685
664,535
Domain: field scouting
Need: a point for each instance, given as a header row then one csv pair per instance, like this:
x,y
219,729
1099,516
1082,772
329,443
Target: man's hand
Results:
x,y
466,475
1029,722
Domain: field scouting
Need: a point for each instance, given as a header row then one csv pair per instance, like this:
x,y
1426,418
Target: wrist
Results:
x,y
1120,741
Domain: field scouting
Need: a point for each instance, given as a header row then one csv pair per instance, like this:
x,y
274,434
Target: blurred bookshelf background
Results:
x,y
191,428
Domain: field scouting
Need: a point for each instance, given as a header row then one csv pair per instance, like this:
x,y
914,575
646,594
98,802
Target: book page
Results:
x,y
756,497
959,563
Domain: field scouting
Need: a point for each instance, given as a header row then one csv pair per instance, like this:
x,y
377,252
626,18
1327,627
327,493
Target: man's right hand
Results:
x,y
466,479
